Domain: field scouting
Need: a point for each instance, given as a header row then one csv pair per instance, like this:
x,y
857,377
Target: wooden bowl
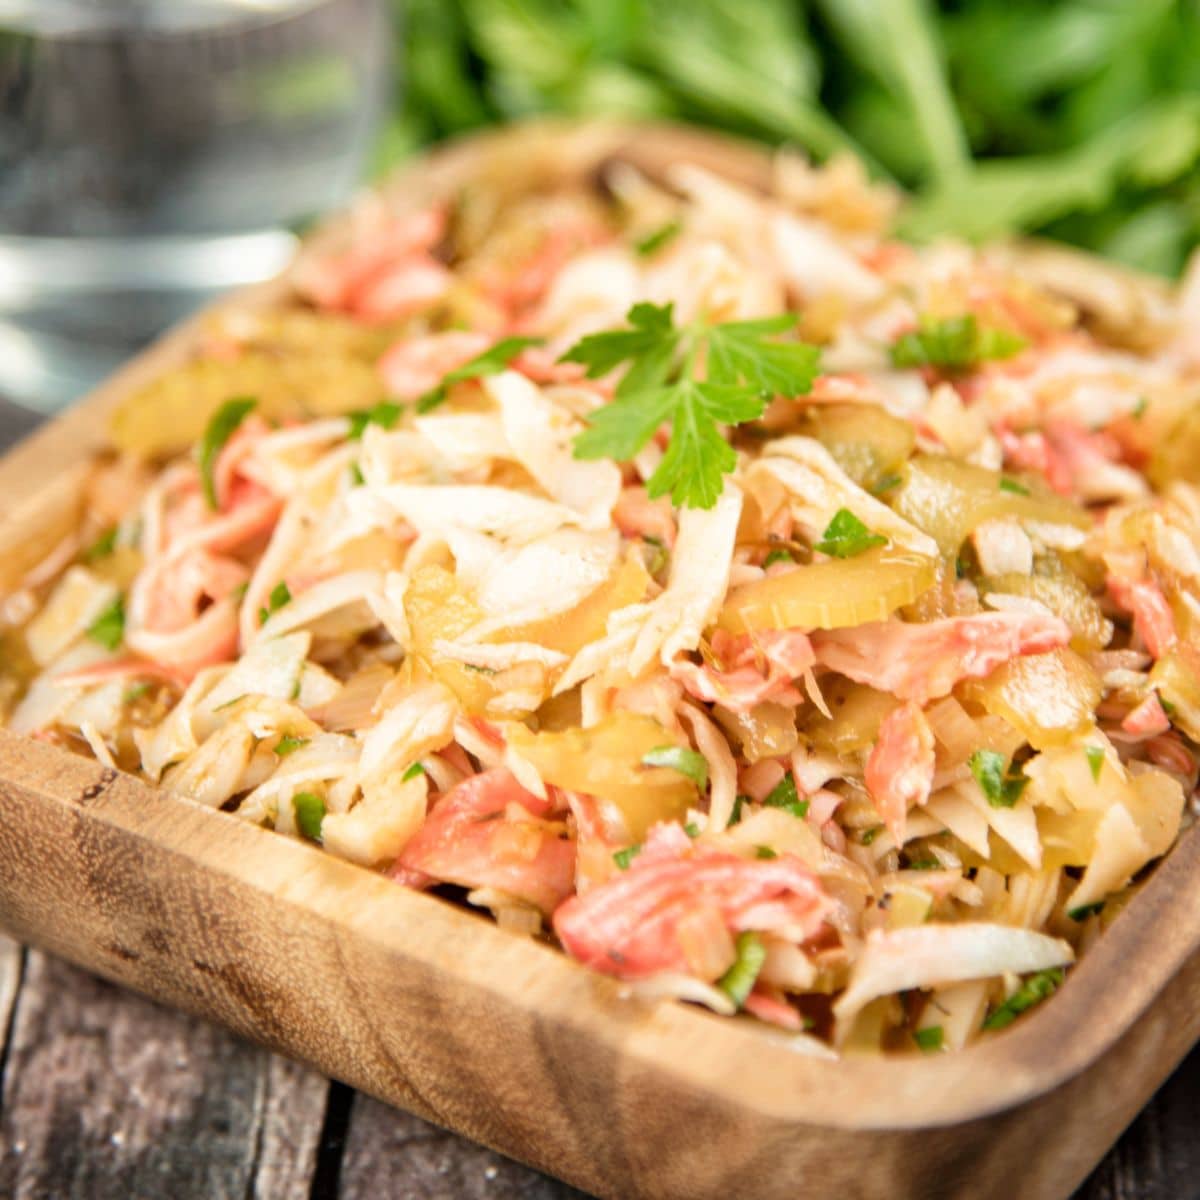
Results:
x,y
438,1011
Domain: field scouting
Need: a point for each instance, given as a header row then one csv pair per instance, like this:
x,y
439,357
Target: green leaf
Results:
x,y
620,429
683,759
930,1038
692,829
743,352
1001,785
624,857
954,344
102,547
491,361
846,536
109,627
1011,485
1033,991
739,803
220,429
135,691
412,772
289,744
658,238
764,852
1095,759
356,476
650,326
738,982
1085,910
310,813
777,556
280,595
384,414
784,795
869,835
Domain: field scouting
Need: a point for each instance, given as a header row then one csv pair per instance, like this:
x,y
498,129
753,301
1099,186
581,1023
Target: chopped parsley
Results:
x,y
492,361
658,560
692,829
924,864
220,429
869,835
777,555
1139,409
1033,991
135,691
356,475
764,852
784,795
1013,486
109,627
1085,910
102,547
745,365
954,344
289,744
657,239
385,414
886,483
1095,758
846,536
738,982
739,803
1000,783
310,813
280,595
412,772
930,1038
679,758
624,857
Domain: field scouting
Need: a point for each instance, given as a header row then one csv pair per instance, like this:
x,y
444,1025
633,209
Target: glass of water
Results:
x,y
154,152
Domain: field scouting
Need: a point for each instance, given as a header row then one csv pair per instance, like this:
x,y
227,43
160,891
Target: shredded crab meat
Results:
x,y
859,583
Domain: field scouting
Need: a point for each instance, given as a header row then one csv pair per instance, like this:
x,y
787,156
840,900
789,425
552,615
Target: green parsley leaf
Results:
x,y
784,795
1085,910
846,536
134,692
1011,485
692,829
954,344
930,1038
384,414
745,366
102,547
739,803
764,852
289,744
923,864
657,239
738,982
310,813
869,835
1001,785
1033,991
886,483
1095,758
777,556
1167,706
356,476
220,429
1139,409
491,361
109,627
412,772
682,759
280,595
624,857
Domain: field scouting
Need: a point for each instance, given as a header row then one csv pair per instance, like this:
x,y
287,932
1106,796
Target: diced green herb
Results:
x,y
846,536
692,829
492,361
1085,910
1139,409
310,814
385,414
661,556
109,627
869,835
930,1038
738,982
682,759
135,691
356,475
954,344
220,429
778,555
657,239
923,864
764,852
1095,758
886,483
289,744
102,547
1000,784
413,771
739,803
1014,486
784,795
1166,704
744,366
280,595
1033,991
624,857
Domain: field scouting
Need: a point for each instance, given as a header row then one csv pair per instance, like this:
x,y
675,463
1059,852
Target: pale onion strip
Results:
x,y
286,547
674,985
722,770
378,828
327,596
97,744
423,720
931,955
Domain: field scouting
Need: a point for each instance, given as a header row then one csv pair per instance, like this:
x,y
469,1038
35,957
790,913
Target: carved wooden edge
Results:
x,y
530,995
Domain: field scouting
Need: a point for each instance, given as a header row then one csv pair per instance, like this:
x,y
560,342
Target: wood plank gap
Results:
x,y
326,1179
12,968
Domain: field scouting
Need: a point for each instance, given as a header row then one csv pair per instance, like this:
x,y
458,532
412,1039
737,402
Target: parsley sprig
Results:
x,y
696,377
954,344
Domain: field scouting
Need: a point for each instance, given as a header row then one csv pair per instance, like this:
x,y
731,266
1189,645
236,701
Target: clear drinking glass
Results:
x,y
153,152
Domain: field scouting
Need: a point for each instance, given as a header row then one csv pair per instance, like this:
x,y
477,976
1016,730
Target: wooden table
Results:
x,y
106,1096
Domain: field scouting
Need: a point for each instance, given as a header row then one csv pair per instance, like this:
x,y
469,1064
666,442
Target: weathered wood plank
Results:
x,y
107,1095
392,1154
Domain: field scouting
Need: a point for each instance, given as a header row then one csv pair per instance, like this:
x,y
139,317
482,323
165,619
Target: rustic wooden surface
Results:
x,y
107,1095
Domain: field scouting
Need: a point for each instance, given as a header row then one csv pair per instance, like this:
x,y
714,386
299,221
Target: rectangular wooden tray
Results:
x,y
436,1010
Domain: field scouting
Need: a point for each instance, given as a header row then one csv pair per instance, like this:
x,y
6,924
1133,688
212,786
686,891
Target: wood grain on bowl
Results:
x,y
437,1011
